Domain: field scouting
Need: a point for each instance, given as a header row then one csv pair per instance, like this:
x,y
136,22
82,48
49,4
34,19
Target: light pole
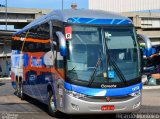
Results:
x,y
6,14
62,4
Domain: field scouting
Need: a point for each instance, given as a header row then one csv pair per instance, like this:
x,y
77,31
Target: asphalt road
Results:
x,y
11,107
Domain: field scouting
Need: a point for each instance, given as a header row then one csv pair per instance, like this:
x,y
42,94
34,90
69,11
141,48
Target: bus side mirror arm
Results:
x,y
62,43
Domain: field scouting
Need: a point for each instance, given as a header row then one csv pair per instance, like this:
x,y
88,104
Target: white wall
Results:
x,y
124,5
150,23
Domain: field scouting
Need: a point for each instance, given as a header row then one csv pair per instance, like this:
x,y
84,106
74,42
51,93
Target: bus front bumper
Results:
x,y
74,105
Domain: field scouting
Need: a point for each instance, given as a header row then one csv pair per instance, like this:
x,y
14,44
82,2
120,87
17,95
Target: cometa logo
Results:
x,y
108,86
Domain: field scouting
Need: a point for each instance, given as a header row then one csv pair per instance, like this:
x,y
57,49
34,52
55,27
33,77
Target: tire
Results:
x,y
21,94
19,90
51,105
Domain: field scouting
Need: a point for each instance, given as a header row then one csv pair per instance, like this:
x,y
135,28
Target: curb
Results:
x,y
5,78
151,87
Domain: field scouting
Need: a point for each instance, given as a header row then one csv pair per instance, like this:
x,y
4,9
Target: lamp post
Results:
x,y
6,13
62,4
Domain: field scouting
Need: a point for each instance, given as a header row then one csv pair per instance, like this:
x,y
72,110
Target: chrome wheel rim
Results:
x,y
52,104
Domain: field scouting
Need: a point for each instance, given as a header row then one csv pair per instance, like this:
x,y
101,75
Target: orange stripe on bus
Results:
x,y
31,40
39,70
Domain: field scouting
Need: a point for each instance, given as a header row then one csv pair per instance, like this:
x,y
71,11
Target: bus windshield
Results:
x,y
87,46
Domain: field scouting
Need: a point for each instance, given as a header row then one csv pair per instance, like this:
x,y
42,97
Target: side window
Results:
x,y
38,39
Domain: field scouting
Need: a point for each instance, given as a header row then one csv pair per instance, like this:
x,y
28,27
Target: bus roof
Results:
x,y
72,14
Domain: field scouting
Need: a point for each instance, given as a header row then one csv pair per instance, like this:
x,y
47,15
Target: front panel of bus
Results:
x,y
102,67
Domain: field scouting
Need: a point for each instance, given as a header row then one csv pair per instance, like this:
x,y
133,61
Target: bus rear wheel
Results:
x,y
21,94
51,105
19,90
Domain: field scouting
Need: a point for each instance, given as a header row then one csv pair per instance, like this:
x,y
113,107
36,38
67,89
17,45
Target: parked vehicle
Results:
x,y
79,62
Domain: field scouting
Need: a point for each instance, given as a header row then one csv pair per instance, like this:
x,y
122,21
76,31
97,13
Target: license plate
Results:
x,y
108,107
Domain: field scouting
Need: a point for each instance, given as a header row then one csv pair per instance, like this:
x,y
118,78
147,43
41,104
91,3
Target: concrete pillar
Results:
x,y
37,15
137,21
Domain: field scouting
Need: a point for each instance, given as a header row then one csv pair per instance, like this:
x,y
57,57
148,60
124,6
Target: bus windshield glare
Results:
x,y
87,46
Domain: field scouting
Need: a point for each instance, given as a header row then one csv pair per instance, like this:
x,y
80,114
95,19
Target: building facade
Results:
x,y
5,53
124,5
147,23
145,14
17,18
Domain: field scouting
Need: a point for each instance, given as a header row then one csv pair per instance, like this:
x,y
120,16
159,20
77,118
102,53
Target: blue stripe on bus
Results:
x,y
103,91
78,20
99,21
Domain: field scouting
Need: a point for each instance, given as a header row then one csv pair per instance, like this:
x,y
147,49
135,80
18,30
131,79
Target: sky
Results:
x,y
48,4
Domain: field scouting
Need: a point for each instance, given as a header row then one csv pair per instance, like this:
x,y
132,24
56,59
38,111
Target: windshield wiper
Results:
x,y
95,69
111,62
114,65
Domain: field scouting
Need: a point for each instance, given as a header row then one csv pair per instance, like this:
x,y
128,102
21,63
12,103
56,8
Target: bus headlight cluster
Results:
x,y
137,93
75,94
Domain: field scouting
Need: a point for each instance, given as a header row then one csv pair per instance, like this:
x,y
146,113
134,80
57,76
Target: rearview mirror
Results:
x,y
62,43
148,45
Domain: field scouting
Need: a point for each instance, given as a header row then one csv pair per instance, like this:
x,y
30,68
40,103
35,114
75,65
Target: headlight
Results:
x,y
75,94
134,94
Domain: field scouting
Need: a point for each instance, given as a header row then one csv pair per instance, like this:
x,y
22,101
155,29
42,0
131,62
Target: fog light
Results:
x,y
75,107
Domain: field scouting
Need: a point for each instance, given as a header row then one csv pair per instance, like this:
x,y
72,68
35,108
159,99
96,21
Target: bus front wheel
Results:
x,y
51,105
